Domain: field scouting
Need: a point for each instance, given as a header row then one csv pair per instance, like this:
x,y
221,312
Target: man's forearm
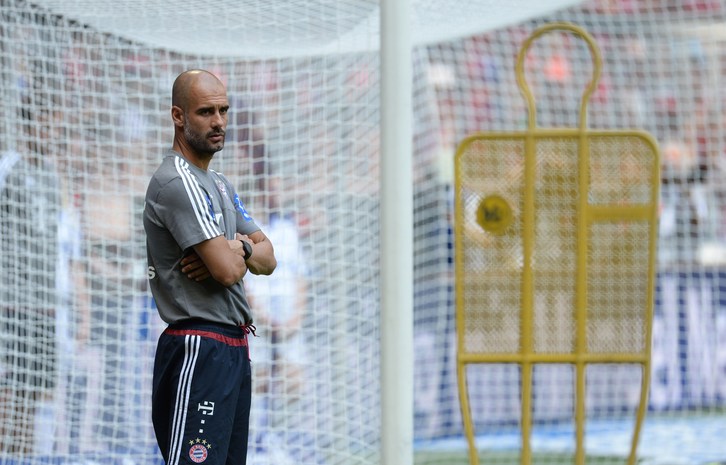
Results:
x,y
262,261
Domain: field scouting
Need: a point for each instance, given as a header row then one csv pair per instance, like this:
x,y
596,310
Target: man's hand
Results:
x,y
193,266
241,237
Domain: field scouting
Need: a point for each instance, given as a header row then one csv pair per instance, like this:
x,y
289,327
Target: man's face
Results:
x,y
205,121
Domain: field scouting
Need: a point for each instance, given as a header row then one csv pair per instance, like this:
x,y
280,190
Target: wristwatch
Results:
x,y
248,249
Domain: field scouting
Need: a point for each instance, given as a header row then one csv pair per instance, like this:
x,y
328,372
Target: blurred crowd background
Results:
x,y
90,111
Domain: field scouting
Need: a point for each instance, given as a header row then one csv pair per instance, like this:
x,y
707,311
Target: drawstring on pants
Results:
x,y
249,329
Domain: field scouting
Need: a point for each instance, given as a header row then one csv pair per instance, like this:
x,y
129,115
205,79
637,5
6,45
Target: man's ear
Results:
x,y
177,116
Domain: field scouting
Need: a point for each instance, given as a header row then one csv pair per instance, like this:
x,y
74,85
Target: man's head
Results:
x,y
199,111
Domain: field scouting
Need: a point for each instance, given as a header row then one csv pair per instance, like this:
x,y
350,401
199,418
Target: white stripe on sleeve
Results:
x,y
198,199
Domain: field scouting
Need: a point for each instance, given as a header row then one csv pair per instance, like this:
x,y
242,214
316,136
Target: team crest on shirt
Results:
x,y
199,450
222,188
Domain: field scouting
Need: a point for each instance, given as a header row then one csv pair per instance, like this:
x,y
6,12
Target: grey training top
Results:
x,y
185,206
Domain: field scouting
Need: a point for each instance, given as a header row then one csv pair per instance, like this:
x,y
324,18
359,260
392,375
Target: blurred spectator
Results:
x,y
73,311
29,256
73,322
116,274
279,354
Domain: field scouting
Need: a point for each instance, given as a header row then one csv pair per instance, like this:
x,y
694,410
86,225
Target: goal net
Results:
x,y
86,90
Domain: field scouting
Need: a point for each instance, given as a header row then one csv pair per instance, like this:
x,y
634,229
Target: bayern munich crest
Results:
x,y
222,188
198,453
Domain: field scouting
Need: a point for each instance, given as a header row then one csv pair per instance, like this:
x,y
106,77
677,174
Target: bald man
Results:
x,y
200,244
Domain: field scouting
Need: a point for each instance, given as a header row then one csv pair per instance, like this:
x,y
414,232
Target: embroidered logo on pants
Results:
x,y
199,450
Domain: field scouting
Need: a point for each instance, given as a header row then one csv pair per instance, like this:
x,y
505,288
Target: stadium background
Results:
x,y
311,118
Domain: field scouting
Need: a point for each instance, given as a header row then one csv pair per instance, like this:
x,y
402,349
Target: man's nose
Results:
x,y
218,120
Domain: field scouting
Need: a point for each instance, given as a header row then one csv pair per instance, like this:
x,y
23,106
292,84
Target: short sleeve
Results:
x,y
184,208
245,224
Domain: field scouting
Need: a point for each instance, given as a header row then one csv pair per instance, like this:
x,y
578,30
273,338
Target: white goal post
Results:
x,y
396,235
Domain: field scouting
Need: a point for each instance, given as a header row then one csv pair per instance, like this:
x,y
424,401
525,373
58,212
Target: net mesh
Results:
x,y
86,93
